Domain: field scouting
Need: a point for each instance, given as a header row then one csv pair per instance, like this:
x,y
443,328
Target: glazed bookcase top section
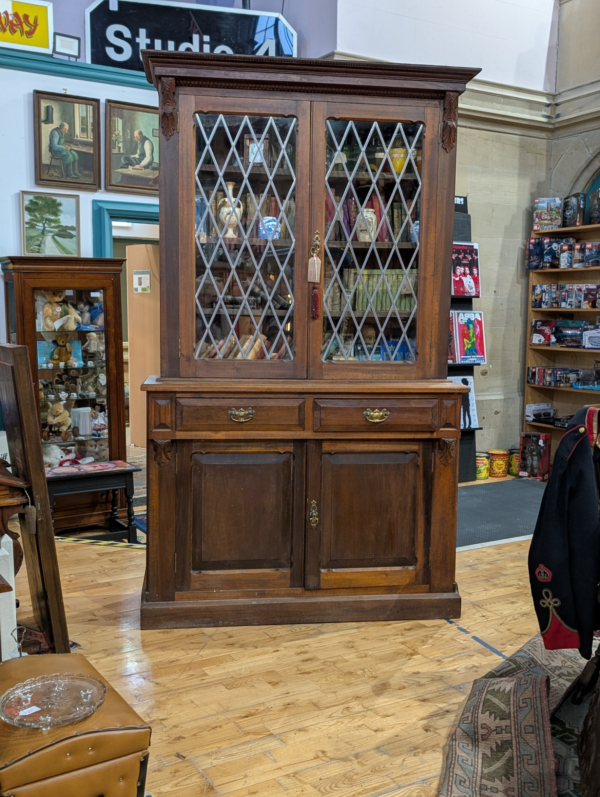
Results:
x,y
208,70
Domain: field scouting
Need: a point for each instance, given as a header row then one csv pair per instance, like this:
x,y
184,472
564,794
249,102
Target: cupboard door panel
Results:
x,y
243,513
371,516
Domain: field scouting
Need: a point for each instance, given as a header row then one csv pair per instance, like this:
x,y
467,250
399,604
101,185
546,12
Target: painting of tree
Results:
x,y
50,224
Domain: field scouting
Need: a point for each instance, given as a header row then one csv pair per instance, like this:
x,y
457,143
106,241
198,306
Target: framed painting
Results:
x,y
67,141
131,146
50,224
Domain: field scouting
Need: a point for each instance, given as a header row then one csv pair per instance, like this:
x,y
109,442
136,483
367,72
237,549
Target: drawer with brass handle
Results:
x,y
241,415
230,413
385,414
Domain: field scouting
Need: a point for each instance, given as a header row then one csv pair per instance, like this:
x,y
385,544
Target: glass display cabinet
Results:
x,y
68,313
302,418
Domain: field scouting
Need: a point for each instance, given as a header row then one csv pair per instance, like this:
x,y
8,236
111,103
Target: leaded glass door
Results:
x,y
375,238
250,240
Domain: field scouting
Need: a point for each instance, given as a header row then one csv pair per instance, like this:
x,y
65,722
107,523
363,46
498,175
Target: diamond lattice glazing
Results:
x,y
245,237
371,248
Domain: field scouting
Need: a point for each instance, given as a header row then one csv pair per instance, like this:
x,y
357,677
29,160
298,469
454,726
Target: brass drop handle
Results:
x,y
376,416
313,516
241,415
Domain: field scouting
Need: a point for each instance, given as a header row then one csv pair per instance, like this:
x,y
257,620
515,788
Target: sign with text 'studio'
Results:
x,y
118,30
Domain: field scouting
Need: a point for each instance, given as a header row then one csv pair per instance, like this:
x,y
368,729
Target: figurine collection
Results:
x,y
72,380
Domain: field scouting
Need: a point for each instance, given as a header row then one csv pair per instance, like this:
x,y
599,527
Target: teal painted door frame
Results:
x,y
104,213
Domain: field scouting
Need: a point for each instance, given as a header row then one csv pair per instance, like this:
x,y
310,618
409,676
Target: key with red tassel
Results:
x,y
314,277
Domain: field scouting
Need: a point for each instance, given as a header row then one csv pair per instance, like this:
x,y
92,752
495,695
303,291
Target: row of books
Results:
x,y
570,297
397,288
552,213
466,338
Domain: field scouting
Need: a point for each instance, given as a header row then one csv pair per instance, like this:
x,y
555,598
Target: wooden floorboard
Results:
x,y
355,709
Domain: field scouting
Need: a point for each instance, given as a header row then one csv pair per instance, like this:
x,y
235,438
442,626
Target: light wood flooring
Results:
x,y
356,710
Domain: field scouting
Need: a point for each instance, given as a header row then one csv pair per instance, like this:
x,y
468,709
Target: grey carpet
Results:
x,y
497,511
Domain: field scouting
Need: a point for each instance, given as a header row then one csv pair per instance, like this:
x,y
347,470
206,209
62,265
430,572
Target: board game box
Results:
x,y
547,213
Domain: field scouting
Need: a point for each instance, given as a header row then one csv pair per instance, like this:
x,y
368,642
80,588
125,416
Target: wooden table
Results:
x,y
146,178
68,481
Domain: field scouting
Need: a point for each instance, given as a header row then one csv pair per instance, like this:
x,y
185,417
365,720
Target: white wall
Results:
x,y
514,41
16,142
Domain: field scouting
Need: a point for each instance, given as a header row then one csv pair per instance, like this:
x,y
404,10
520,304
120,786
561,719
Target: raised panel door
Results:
x,y
245,515
367,515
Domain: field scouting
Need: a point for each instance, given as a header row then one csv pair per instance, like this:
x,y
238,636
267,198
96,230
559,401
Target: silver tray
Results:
x,y
51,700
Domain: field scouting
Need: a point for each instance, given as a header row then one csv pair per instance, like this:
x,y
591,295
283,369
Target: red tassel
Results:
x,y
315,303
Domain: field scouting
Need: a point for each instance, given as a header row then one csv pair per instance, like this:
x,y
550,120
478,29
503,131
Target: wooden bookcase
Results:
x,y
566,400
98,377
302,437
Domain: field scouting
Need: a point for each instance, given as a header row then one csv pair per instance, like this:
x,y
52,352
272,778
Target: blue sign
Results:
x,y
118,30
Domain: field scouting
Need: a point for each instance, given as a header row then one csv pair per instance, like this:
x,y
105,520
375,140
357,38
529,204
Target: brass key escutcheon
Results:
x,y
313,515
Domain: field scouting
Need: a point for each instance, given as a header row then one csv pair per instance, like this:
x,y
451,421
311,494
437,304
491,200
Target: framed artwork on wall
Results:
x,y
50,224
67,141
131,145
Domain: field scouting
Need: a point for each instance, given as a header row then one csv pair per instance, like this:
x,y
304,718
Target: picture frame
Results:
x,y
67,141
50,227
125,152
256,152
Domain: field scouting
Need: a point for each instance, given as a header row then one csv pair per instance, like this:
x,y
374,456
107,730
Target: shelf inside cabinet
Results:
x,y
372,313
387,177
367,245
256,174
549,427
67,444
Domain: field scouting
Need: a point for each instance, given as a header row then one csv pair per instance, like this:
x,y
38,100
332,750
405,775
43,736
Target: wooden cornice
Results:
x,y
304,75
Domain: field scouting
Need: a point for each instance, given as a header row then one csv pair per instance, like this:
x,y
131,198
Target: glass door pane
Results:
x,y
371,248
72,375
245,237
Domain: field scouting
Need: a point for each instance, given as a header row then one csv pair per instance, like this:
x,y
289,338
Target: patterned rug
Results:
x,y
505,743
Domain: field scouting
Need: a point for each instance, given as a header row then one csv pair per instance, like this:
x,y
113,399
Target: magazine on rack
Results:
x,y
469,337
465,270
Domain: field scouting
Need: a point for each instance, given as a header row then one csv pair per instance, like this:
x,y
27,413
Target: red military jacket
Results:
x,y
564,558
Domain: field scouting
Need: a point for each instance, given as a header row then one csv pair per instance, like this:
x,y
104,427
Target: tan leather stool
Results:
x,y
105,755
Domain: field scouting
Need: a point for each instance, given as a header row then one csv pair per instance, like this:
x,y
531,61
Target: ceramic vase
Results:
x,y
227,216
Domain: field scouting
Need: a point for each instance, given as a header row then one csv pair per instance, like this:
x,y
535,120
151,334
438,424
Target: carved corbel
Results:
x,y
450,120
162,452
447,450
168,106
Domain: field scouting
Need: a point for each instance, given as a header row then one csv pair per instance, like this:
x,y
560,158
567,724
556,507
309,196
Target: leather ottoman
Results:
x,y
105,755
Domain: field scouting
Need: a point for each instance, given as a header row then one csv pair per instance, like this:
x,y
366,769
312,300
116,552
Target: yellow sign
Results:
x,y
26,26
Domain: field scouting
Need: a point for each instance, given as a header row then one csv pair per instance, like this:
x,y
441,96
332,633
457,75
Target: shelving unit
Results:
x,y
566,400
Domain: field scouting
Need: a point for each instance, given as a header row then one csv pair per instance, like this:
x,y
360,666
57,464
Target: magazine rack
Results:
x,y
303,439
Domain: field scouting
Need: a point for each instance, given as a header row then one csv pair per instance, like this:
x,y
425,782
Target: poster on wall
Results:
x,y
50,224
131,144
67,141
465,270
468,407
26,26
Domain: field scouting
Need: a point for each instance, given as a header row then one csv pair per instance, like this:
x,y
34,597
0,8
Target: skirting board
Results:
x,y
281,611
